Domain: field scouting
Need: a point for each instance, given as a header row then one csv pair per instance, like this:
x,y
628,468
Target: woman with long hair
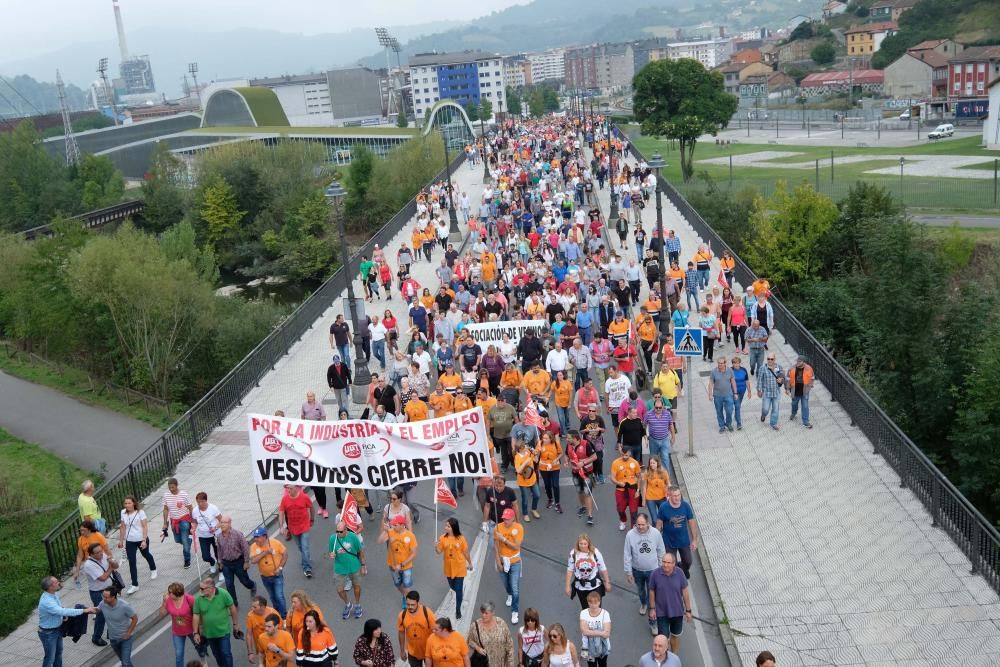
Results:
x,y
301,605
559,651
530,640
454,550
391,327
549,464
653,486
525,460
737,325
373,648
562,395
586,571
133,533
315,645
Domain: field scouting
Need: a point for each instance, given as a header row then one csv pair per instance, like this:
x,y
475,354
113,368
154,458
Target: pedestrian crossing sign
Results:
x,y
687,342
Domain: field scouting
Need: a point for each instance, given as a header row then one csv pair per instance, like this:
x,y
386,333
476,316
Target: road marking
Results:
x,y
480,548
699,631
151,638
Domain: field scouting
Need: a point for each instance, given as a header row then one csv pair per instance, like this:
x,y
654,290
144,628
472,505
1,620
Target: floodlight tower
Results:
x,y
72,150
193,71
394,45
385,40
102,69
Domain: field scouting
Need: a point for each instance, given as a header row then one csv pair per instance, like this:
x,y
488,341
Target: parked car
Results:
x,y
756,114
905,115
941,131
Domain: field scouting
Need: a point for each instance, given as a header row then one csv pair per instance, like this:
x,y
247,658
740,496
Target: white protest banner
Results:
x,y
488,333
365,454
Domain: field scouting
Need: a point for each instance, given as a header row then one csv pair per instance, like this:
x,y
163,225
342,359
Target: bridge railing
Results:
x,y
950,510
148,470
91,219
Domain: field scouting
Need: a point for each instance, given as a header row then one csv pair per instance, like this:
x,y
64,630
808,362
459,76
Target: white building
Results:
x,y
305,98
463,76
547,65
709,52
516,71
991,126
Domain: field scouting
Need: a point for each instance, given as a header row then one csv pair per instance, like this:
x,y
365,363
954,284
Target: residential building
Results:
x,y
462,76
734,74
834,7
864,40
889,10
517,71
709,52
755,34
991,126
753,88
917,74
746,56
824,83
780,85
971,71
769,53
798,51
647,50
605,67
547,65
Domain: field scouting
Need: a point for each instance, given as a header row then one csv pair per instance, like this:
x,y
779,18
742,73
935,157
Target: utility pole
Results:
x,y
109,94
72,150
193,70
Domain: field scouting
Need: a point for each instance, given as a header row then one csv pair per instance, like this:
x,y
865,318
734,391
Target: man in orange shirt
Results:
x,y
537,383
441,401
270,556
507,537
402,552
415,624
274,644
625,475
256,617
416,410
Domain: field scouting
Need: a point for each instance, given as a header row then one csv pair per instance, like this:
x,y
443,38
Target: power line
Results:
x,y
11,86
9,121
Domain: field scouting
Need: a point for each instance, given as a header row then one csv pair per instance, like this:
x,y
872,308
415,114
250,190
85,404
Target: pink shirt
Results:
x,y
181,617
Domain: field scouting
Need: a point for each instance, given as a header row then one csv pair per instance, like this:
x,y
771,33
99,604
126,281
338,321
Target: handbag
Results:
x,y
115,580
477,659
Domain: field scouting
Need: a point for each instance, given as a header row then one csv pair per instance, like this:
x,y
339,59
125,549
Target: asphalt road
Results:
x,y
546,548
86,435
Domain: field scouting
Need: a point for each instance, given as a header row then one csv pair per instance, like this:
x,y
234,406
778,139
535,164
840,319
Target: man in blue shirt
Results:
x,y
585,323
673,247
677,526
418,316
691,283
50,620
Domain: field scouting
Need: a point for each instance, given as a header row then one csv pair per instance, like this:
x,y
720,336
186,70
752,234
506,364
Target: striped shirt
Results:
x,y
322,649
767,380
658,424
177,504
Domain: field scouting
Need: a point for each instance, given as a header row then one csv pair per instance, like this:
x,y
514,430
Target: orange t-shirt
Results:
x,y
450,381
268,564
442,404
453,550
563,393
296,620
512,533
401,547
416,627
656,486
282,639
549,457
255,622
537,382
449,651
94,538
520,459
462,403
416,410
625,472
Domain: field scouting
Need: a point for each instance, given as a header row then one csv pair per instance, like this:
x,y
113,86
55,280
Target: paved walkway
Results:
x,y
819,556
85,434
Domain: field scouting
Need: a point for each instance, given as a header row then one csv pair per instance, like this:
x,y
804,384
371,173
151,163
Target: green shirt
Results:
x,y
346,552
88,507
215,619
366,268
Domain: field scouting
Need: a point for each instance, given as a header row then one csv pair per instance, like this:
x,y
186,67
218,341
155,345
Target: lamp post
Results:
x,y
362,377
454,235
657,163
482,136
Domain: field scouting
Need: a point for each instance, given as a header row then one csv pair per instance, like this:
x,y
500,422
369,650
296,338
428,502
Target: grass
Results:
x,y
319,131
74,382
928,193
30,478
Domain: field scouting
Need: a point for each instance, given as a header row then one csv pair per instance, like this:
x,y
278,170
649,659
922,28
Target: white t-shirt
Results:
x,y
133,525
598,623
533,641
378,332
94,569
508,351
586,569
208,521
423,362
617,390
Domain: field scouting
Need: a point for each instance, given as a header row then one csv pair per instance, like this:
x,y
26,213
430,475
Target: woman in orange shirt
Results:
x,y
653,486
427,299
549,456
562,392
455,555
527,480
728,264
445,647
315,644
295,621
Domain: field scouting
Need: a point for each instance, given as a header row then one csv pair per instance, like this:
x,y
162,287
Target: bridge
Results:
x,y
93,219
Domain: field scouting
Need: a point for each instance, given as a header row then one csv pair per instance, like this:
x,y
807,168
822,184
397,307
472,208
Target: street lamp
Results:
x,y
454,235
482,137
362,377
657,163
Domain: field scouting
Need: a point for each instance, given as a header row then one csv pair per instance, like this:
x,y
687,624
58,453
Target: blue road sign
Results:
x,y
687,342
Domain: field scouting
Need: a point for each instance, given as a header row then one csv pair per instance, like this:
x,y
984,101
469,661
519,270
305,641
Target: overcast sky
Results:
x,y
31,27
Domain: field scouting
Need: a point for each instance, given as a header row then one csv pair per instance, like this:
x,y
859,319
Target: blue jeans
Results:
x,y
581,375
738,407
276,592
302,542
123,649
638,252
529,491
562,414
642,585
586,336
456,584
653,507
770,405
804,400
179,642
183,537
756,359
52,647
345,354
221,650
456,484
233,570
703,276
95,599
378,349
512,584
697,304
662,447
724,410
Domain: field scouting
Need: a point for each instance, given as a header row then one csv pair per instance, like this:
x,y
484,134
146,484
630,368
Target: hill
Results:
x,y
37,96
966,21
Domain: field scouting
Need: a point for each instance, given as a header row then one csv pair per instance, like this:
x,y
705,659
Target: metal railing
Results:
x,y
951,511
147,471
92,219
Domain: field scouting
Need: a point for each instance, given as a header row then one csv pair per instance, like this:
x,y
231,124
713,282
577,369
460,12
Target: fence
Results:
x,y
949,509
147,471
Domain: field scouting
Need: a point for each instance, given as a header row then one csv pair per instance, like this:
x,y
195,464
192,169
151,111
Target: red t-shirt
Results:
x,y
297,512
534,238
625,357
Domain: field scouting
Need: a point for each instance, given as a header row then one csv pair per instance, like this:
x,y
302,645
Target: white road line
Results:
x,y
480,549
149,640
699,631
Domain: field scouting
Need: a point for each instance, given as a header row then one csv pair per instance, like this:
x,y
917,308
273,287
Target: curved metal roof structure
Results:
x,y
450,118
244,107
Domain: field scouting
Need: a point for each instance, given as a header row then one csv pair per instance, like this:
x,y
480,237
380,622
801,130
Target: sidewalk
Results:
x,y
221,467
819,556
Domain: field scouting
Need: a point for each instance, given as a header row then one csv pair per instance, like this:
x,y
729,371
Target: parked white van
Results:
x,y
941,131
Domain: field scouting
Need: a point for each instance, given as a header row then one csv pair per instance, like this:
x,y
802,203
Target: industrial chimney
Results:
x,y
122,43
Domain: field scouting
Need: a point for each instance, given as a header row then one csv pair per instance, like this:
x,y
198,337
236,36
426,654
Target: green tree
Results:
x,y
179,243
162,192
680,99
536,102
472,110
34,185
486,109
866,204
220,212
550,100
402,120
785,232
823,53
359,180
101,183
513,101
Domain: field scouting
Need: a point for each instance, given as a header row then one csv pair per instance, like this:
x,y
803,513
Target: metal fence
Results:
x,y
949,509
147,471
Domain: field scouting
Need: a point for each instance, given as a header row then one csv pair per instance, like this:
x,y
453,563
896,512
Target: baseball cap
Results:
x,y
507,514
260,531
398,520
619,313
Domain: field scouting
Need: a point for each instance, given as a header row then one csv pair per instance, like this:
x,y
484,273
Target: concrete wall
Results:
x,y
908,77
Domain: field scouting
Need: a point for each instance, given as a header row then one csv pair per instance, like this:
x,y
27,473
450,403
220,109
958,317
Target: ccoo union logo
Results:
x,y
352,450
271,444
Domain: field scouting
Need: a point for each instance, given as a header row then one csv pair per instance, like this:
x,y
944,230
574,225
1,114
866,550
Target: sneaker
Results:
x,y
730,428
652,630
211,570
535,514
739,427
590,521
762,418
580,511
152,574
222,580
359,611
559,508
347,611
187,566
776,427
131,589
549,504
514,618
808,425
643,609
486,527
309,574
99,642
510,600
791,418
722,430
527,518
621,525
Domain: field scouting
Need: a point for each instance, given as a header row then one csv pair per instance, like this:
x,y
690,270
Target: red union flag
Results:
x,y
722,279
350,515
443,495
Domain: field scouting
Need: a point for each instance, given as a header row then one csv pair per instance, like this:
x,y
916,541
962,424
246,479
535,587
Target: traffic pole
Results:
x,y
690,402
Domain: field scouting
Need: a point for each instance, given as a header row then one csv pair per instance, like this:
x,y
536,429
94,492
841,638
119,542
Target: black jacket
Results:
x,y
606,314
338,376
529,349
